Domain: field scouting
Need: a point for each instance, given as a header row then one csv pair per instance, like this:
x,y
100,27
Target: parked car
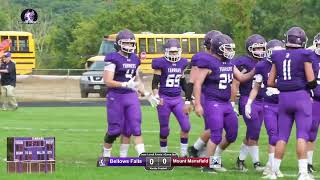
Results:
x,y
92,80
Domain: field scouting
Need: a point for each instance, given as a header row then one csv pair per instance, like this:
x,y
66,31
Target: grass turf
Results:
x,y
79,135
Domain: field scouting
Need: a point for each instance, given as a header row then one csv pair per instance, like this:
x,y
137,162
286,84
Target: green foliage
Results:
x,y
71,30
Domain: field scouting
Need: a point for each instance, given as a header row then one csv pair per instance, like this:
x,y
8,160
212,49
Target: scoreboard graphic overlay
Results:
x,y
30,154
157,161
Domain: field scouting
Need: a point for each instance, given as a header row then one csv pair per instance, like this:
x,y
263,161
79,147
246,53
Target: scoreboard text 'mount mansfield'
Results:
x,y
30,154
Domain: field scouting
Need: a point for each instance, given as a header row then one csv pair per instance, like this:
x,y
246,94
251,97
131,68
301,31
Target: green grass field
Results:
x,y
79,135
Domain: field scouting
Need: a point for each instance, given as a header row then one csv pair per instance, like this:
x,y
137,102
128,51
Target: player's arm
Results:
x,y
272,76
187,90
188,93
4,71
7,70
198,81
156,82
312,81
253,94
243,77
254,91
108,75
193,72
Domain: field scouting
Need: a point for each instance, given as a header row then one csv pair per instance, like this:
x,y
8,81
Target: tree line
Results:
x,y
70,31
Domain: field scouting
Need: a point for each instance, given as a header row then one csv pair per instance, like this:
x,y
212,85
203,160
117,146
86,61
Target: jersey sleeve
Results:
x,y
156,64
137,58
273,56
204,64
236,62
239,63
259,68
195,59
311,56
109,58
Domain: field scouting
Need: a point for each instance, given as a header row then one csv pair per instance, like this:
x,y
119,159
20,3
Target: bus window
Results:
x,y
151,46
142,45
185,45
23,44
200,43
3,38
193,45
14,45
159,45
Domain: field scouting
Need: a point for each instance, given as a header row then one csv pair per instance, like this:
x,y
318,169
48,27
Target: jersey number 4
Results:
x,y
173,80
225,79
286,69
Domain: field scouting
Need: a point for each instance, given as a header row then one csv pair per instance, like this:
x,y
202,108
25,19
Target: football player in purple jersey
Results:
x,y
168,80
292,68
315,104
256,50
123,105
196,149
270,100
215,76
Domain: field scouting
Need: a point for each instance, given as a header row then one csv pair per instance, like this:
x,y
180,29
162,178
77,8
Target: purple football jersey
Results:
x,y
125,69
245,64
263,68
200,56
170,75
316,70
217,85
290,68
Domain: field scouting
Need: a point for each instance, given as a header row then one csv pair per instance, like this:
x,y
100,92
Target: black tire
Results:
x,y
84,94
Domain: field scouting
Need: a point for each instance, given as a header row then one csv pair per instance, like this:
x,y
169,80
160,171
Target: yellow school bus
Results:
x,y
22,50
150,46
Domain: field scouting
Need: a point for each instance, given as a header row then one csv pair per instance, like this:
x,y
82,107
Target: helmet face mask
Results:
x,y
316,43
317,49
223,46
256,46
227,50
258,50
125,42
172,50
127,45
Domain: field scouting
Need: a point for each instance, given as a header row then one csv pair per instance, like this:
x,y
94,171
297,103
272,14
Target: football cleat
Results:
x,y
267,170
270,175
241,166
305,176
311,169
258,167
193,152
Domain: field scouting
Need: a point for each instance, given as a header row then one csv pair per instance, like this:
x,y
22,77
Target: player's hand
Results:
x,y
161,102
187,108
272,91
131,84
234,108
248,110
154,100
199,110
